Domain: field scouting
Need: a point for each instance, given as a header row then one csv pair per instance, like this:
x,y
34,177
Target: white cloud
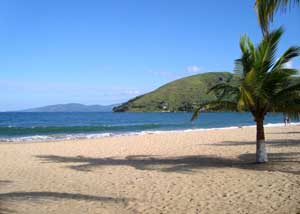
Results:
x,y
164,73
131,92
193,69
288,64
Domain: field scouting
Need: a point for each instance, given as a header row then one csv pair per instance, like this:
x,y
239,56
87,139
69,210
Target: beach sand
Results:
x,y
183,172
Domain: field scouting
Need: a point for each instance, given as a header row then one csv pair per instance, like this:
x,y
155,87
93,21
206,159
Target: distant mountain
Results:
x,y
72,107
184,94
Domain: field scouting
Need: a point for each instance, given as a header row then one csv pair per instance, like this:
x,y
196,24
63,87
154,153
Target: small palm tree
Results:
x,y
264,85
266,9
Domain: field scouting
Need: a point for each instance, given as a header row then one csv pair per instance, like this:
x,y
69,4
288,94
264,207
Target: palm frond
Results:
x,y
287,56
221,87
289,93
243,65
246,100
266,9
196,113
215,106
290,109
275,82
222,105
238,67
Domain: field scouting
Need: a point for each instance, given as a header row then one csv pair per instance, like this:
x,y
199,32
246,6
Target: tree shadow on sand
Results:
x,y
3,209
283,133
281,162
4,182
272,143
40,196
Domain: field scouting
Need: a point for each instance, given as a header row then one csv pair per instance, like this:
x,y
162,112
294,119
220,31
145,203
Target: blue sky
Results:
x,y
107,51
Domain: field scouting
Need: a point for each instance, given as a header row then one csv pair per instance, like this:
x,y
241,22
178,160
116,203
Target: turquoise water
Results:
x,y
60,126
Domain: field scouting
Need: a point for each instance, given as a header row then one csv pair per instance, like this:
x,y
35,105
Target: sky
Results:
x,y
108,51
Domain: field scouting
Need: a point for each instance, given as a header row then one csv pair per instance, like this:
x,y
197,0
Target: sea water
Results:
x,y
21,127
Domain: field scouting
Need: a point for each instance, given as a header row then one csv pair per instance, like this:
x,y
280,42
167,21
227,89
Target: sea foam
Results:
x,y
63,137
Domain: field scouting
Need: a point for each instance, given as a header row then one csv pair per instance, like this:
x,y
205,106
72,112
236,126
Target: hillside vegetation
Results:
x,y
180,95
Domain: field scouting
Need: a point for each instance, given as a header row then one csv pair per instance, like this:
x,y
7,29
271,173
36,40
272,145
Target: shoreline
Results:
x,y
91,136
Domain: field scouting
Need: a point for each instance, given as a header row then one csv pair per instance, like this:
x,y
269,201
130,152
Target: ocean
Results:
x,y
22,127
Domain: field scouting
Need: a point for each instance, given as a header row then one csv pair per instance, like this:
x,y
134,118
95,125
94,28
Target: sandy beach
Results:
x,y
183,172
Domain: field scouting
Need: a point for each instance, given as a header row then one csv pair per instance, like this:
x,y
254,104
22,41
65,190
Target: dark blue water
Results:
x,y
58,126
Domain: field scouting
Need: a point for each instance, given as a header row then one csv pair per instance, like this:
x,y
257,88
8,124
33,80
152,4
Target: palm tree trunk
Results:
x,y
261,153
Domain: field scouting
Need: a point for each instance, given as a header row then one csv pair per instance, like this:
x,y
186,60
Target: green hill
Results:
x,y
180,95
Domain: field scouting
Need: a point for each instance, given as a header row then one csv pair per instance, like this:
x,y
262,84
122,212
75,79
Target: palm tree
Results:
x,y
264,85
266,9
